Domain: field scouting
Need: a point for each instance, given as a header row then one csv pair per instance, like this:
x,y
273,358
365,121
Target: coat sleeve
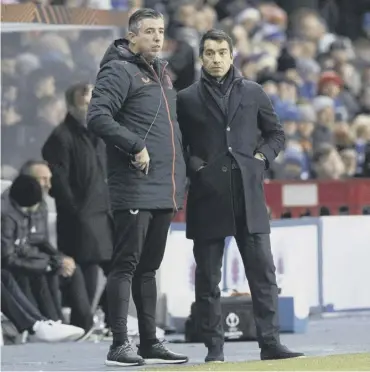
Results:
x,y
56,153
193,163
109,94
181,118
9,255
56,257
270,127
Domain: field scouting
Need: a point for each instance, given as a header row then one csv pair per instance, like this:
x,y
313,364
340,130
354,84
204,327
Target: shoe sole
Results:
x,y
214,361
165,361
295,357
112,363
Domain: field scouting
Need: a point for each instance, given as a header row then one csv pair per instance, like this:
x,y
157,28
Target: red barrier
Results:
x,y
299,196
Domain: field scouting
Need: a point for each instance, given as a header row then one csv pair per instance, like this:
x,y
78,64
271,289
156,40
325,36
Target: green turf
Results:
x,y
343,362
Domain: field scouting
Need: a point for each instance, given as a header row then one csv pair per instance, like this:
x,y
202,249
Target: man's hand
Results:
x,y
260,156
68,267
142,160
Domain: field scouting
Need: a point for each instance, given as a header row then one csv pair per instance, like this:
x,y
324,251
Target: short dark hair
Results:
x,y
70,94
26,167
217,35
139,15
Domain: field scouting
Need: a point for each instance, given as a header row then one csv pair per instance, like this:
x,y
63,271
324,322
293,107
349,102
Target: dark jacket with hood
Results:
x,y
134,105
24,240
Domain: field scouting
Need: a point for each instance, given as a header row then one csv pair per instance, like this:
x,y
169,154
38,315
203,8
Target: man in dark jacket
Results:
x,y
231,134
76,289
33,261
133,110
78,164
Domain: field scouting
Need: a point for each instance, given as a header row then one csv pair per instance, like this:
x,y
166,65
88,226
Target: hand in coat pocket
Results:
x,y
196,164
260,157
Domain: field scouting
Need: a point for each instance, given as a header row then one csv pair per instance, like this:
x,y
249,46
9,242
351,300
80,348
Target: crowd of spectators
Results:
x,y
122,5
319,82
37,68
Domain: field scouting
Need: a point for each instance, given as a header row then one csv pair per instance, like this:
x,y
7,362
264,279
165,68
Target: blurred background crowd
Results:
x,y
313,63
312,58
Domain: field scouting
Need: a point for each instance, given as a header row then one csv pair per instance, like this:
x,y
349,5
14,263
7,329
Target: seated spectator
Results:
x,y
289,117
295,163
34,262
287,66
26,317
361,130
343,137
349,159
364,100
328,164
269,81
323,132
288,95
306,127
331,85
309,70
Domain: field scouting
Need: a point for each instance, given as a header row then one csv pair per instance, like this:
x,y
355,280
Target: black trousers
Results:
x,y
255,251
15,305
139,244
43,291
90,272
76,296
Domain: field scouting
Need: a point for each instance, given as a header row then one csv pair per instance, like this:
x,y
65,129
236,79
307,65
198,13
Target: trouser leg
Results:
x,y
129,237
208,257
144,287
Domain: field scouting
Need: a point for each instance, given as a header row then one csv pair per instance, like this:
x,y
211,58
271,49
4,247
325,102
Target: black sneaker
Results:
x,y
278,352
215,355
123,356
158,353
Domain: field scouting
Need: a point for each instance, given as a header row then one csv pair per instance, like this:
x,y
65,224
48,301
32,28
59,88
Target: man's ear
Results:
x,y
132,37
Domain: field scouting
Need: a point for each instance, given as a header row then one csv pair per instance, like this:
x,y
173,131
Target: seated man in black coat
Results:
x,y
37,266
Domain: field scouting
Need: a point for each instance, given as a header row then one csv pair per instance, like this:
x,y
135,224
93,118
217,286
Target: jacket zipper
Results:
x,y
172,135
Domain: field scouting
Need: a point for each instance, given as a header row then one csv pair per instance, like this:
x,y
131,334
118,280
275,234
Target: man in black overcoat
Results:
x,y
77,161
231,134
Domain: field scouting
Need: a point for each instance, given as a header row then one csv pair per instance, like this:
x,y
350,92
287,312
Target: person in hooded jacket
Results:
x,y
133,109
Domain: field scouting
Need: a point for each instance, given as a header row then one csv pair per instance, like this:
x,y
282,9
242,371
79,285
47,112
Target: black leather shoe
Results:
x,y
215,354
278,352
